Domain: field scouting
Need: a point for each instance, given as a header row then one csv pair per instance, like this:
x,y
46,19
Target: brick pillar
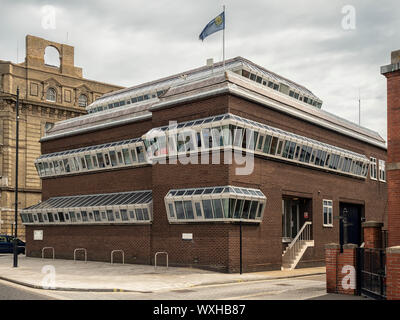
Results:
x,y
331,254
393,273
372,234
346,270
392,74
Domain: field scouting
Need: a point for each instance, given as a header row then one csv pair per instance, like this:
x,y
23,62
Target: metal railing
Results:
x,y
155,258
80,249
123,256
298,242
45,248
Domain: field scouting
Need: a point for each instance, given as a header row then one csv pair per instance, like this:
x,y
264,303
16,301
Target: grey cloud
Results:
x,y
129,42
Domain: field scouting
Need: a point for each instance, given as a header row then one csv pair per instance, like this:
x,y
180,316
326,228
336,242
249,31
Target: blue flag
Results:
x,y
216,24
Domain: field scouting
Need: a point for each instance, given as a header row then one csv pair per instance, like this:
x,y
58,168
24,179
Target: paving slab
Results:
x,y
68,275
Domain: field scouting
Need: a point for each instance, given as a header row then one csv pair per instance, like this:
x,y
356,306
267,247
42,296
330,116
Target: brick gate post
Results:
x,y
393,273
372,234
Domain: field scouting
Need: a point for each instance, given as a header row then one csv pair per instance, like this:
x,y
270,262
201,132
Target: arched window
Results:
x,y
52,57
82,102
51,95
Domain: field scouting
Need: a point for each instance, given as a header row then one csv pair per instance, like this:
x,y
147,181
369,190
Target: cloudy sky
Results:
x,y
313,42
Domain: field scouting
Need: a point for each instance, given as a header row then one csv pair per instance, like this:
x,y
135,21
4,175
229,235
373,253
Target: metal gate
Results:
x,y
371,273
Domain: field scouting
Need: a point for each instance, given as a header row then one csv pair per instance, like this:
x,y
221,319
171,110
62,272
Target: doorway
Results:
x,y
350,223
295,212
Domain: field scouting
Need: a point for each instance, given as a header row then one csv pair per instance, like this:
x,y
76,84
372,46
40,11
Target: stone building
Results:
x,y
286,174
51,89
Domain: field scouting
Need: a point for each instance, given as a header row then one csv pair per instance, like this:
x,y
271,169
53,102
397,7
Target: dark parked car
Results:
x,y
6,244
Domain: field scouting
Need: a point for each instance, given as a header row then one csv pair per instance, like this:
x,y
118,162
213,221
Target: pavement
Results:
x,y
67,275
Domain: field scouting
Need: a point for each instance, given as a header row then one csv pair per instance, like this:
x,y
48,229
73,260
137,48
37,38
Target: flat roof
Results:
x,y
223,82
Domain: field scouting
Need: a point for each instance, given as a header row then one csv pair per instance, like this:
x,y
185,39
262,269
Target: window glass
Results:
x,y
132,215
127,159
373,169
139,214
113,158
238,208
110,215
253,209
208,214
88,162
146,214
96,215
95,164
171,210
188,209
274,144
238,136
246,209
232,203
51,95
227,138
100,160
260,210
120,160
382,170
218,211
72,216
140,154
225,207
82,101
198,209
133,154
61,216
327,213
107,159
180,214
285,153
84,216
124,215
260,142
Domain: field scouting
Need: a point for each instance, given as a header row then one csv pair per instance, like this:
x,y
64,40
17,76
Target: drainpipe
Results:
x,y
240,247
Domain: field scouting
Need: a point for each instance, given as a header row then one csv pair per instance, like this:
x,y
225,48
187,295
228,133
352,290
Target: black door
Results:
x,y
350,223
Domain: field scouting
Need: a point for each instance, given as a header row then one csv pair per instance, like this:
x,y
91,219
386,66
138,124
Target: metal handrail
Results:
x,y
300,233
112,256
155,258
303,235
44,248
80,249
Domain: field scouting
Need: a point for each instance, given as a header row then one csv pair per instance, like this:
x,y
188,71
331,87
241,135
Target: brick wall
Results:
x,y
216,245
341,269
393,173
393,273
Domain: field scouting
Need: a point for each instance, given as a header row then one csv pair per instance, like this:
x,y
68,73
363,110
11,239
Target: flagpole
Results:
x,y
223,40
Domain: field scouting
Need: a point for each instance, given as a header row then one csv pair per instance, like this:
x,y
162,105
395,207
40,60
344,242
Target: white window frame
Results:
x,y
373,165
328,205
382,170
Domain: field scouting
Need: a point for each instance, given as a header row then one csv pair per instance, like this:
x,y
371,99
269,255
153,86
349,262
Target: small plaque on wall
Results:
x,y
187,236
37,234
67,95
34,89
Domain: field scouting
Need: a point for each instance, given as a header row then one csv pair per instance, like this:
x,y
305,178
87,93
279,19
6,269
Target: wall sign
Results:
x,y
37,234
187,236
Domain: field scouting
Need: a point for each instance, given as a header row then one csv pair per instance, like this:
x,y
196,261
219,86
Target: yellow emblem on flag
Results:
x,y
218,20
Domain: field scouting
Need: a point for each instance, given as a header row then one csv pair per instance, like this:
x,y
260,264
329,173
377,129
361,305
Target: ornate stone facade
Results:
x,y
48,93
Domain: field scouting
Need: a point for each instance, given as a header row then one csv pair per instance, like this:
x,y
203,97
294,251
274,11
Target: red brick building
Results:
x,y
216,167
392,73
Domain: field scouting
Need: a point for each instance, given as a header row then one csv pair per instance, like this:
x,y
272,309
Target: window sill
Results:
x,y
327,225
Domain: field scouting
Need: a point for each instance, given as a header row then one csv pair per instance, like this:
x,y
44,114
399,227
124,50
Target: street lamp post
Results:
x,y
15,241
15,246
